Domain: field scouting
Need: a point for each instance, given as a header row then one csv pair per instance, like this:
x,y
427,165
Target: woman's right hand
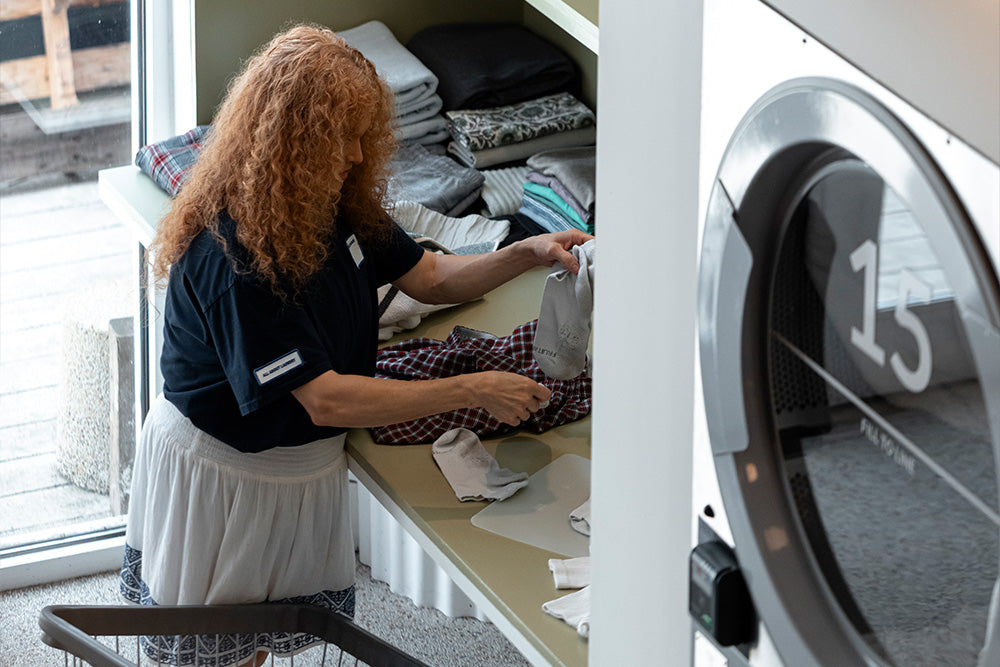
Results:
x,y
508,397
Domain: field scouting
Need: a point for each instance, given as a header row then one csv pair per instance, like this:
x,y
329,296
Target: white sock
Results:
x,y
472,472
563,332
579,519
573,608
570,572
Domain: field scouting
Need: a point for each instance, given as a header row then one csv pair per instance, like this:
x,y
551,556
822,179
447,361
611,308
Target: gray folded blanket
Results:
x,y
411,82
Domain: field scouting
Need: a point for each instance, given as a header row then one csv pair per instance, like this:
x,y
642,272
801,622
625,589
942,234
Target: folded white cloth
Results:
x,y
563,332
503,189
570,572
449,232
573,608
401,312
579,519
410,81
471,471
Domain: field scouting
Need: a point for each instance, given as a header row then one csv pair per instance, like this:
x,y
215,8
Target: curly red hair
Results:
x,y
274,152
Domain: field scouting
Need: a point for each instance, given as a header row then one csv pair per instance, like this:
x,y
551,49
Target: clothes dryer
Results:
x,y
848,410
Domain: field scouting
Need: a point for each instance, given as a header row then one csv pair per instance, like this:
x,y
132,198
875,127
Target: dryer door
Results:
x,y
851,368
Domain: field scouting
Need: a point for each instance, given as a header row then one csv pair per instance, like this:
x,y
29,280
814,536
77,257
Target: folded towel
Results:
x,y
518,152
502,190
570,572
549,197
410,81
471,471
477,129
574,167
543,215
430,107
556,185
435,181
434,130
449,232
492,64
573,608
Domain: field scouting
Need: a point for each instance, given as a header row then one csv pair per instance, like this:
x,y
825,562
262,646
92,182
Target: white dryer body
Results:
x,y
847,419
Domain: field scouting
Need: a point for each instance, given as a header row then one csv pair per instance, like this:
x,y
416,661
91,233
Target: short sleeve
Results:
x,y
394,257
267,345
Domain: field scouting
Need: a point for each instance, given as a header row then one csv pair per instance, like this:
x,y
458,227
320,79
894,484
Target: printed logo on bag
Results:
x,y
355,248
278,367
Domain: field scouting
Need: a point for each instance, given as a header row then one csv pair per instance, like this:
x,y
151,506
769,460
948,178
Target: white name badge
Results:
x,y
278,367
355,248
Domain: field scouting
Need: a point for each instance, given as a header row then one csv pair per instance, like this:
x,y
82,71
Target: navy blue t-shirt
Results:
x,y
233,350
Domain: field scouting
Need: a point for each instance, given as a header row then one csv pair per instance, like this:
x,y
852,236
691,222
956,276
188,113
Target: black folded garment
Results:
x,y
483,65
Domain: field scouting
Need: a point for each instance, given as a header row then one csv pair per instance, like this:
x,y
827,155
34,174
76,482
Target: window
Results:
x,y
77,95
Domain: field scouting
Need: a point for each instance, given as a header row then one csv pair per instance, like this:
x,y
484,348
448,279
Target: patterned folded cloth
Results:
x,y
470,351
168,162
477,129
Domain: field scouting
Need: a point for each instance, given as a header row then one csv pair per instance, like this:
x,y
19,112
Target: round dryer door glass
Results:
x,y
883,409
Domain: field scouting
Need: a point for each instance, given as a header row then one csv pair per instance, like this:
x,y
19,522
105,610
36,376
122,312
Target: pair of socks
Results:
x,y
563,332
471,471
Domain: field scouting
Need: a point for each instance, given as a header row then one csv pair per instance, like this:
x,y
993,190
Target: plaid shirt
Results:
x,y
167,162
470,351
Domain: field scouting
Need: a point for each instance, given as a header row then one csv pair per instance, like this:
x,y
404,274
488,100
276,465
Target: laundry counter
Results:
x,y
507,579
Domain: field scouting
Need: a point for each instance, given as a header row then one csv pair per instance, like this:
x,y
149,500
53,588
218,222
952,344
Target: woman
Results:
x,y
274,250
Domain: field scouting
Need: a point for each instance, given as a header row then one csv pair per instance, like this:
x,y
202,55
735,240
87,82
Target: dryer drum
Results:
x,y
850,343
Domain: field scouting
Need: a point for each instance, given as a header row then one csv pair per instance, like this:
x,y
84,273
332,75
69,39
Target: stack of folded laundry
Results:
x,y
486,137
418,106
559,192
436,181
507,93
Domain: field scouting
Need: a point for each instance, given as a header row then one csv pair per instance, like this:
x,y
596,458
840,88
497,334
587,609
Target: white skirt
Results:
x,y
209,524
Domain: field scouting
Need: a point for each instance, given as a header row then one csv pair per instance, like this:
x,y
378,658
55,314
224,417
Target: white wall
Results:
x,y
647,181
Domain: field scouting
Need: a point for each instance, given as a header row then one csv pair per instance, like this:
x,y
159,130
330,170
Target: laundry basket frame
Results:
x,y
75,628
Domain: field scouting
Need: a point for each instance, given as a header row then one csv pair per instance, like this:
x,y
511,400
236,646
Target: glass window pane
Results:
x,y
883,422
66,271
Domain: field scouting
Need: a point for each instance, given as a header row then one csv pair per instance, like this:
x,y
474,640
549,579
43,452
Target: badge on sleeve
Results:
x,y
278,367
355,248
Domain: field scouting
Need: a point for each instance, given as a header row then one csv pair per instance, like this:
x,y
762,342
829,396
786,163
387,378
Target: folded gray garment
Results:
x,y
410,81
436,181
489,157
574,167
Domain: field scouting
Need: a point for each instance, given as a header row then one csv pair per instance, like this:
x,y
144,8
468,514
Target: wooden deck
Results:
x,y
58,247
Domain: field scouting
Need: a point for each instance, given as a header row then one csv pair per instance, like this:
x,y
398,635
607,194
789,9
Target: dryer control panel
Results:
x,y
718,597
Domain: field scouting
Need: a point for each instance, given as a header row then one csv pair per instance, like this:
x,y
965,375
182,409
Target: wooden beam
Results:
x,y
55,28
99,67
19,9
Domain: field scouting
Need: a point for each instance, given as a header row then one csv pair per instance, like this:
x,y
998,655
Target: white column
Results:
x,y
649,93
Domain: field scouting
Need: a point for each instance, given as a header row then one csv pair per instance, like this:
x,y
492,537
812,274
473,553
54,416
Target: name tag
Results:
x,y
355,248
278,367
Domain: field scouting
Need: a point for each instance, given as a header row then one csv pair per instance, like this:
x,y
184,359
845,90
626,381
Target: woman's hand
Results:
x,y
508,397
551,248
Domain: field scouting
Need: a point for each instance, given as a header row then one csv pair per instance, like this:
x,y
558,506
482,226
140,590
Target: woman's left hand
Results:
x,y
551,248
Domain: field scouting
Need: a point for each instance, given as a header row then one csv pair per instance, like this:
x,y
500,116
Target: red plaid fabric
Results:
x,y
167,162
470,351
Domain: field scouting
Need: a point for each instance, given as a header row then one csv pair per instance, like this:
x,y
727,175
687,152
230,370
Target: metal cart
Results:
x,y
93,633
